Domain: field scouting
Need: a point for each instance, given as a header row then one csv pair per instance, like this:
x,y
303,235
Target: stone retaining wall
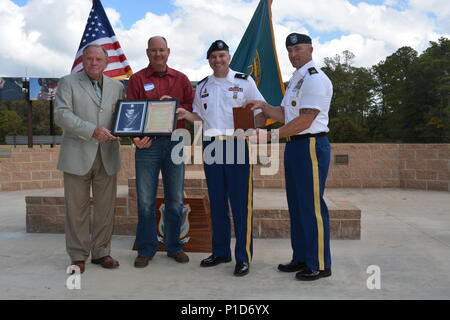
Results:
x,y
412,166
46,215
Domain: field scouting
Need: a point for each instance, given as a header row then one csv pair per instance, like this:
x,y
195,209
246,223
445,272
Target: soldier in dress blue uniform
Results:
x,y
304,110
215,98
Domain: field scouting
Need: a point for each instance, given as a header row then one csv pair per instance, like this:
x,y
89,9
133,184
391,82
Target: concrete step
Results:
x,y
195,179
45,214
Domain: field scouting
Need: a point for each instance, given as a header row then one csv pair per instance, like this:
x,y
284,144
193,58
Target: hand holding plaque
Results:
x,y
145,118
243,118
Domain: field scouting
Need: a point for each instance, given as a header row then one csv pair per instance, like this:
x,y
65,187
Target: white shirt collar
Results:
x,y
303,70
229,77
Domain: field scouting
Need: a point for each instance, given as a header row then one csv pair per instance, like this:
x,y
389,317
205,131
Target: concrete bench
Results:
x,y
270,213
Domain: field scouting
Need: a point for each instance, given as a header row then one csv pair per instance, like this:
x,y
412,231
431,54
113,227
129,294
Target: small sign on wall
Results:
x,y
341,159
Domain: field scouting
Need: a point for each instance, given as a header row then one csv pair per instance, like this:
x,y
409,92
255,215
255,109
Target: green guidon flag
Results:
x,y
257,55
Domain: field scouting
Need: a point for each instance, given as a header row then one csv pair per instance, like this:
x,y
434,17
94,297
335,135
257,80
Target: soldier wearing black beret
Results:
x,y
297,38
229,182
304,110
217,45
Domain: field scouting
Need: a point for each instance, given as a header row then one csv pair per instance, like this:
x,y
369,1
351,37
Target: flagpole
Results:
x,y
283,89
275,48
99,30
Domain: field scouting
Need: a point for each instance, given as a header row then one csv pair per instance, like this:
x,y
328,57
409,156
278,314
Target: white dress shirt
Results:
x,y
215,99
309,88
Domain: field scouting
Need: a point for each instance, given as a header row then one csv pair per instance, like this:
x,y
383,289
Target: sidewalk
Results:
x,y
406,233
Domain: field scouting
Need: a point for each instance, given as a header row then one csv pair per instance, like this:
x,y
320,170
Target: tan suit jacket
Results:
x,y
79,111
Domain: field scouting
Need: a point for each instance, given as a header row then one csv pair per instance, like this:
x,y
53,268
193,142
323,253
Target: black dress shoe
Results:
x,y
212,261
310,275
292,266
241,269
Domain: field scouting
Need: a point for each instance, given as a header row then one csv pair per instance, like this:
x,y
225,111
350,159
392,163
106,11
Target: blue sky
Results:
x,y
134,10
371,29
130,10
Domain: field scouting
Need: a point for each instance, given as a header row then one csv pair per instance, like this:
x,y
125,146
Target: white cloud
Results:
x,y
367,51
190,30
43,36
114,17
390,3
395,28
439,8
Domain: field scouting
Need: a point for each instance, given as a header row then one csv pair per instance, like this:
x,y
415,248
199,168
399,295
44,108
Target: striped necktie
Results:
x,y
97,89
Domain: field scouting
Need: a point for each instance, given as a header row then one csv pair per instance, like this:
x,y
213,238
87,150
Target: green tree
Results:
x,y
345,129
386,119
426,112
352,97
10,123
41,119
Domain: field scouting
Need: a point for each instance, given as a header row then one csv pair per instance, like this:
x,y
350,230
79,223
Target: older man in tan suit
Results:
x,y
89,157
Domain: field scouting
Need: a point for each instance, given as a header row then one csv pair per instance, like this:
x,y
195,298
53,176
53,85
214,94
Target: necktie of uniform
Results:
x,y
97,89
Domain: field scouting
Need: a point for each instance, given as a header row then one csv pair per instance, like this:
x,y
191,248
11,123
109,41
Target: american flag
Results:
x,y
99,31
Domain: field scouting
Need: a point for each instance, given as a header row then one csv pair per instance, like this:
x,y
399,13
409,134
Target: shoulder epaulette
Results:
x,y
242,76
202,80
312,71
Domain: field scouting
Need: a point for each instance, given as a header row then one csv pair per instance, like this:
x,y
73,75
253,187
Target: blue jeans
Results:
x,y
148,164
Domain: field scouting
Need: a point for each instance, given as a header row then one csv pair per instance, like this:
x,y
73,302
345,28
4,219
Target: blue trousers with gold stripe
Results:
x,y
231,183
306,168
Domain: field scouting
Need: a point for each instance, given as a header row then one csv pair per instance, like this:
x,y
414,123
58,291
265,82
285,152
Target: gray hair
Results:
x,y
96,46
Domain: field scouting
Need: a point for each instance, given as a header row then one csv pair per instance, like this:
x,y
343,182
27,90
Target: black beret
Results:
x,y
297,38
217,45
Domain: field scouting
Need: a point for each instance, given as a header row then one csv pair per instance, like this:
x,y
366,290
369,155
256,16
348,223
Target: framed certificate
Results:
x,y
134,118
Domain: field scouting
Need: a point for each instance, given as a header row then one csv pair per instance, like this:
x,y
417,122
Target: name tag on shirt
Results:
x,y
149,86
